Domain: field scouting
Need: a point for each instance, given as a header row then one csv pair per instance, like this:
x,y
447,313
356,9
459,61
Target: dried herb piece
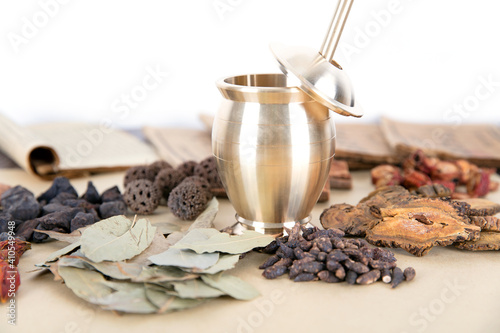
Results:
x,y
328,277
418,224
91,194
273,272
305,277
351,277
369,277
481,207
231,285
223,242
409,273
488,241
20,203
487,223
60,185
116,239
185,258
397,277
386,275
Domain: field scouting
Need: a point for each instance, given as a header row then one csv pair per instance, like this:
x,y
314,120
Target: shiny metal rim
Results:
x,y
267,225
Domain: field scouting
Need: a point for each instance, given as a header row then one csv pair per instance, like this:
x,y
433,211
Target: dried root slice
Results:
x,y
353,220
489,241
481,207
418,225
486,223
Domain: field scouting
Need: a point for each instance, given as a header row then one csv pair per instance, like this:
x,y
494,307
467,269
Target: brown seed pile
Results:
x,y
186,188
310,254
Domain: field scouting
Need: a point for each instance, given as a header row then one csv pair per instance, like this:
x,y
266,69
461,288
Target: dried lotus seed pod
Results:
x,y
167,180
208,169
138,172
188,200
187,168
157,166
141,196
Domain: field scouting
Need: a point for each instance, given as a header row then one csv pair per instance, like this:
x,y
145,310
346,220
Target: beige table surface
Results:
x,y
454,291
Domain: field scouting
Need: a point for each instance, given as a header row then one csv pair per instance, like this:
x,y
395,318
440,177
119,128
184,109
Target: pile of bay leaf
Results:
x,y
129,266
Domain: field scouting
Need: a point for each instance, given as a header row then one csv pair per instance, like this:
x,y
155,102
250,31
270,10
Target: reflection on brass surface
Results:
x,y
273,145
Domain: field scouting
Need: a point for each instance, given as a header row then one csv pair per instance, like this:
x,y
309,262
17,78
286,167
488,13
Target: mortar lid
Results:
x,y
325,82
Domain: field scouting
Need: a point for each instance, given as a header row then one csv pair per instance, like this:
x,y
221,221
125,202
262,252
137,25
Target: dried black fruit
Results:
x,y
271,248
386,275
142,196
270,261
409,273
274,271
20,203
304,277
62,197
381,264
284,262
305,245
324,244
312,267
351,277
357,267
328,277
25,230
81,220
112,208
369,278
322,256
91,194
285,252
111,194
52,208
337,255
397,277
60,185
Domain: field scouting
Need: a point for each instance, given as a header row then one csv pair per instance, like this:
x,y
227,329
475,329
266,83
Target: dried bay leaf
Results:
x,y
130,298
166,228
86,284
185,258
224,263
158,245
223,242
116,239
168,303
63,237
59,253
116,270
231,285
163,274
196,289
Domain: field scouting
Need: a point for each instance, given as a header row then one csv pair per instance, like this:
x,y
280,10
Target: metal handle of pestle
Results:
x,y
335,31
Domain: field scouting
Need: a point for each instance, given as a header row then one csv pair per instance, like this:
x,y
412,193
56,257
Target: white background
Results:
x,y
419,60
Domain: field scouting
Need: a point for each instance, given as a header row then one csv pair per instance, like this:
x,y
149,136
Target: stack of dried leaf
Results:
x,y
131,267
462,178
391,216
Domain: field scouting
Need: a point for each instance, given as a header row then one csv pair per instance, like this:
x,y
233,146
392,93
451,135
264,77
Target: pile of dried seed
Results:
x,y
309,254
